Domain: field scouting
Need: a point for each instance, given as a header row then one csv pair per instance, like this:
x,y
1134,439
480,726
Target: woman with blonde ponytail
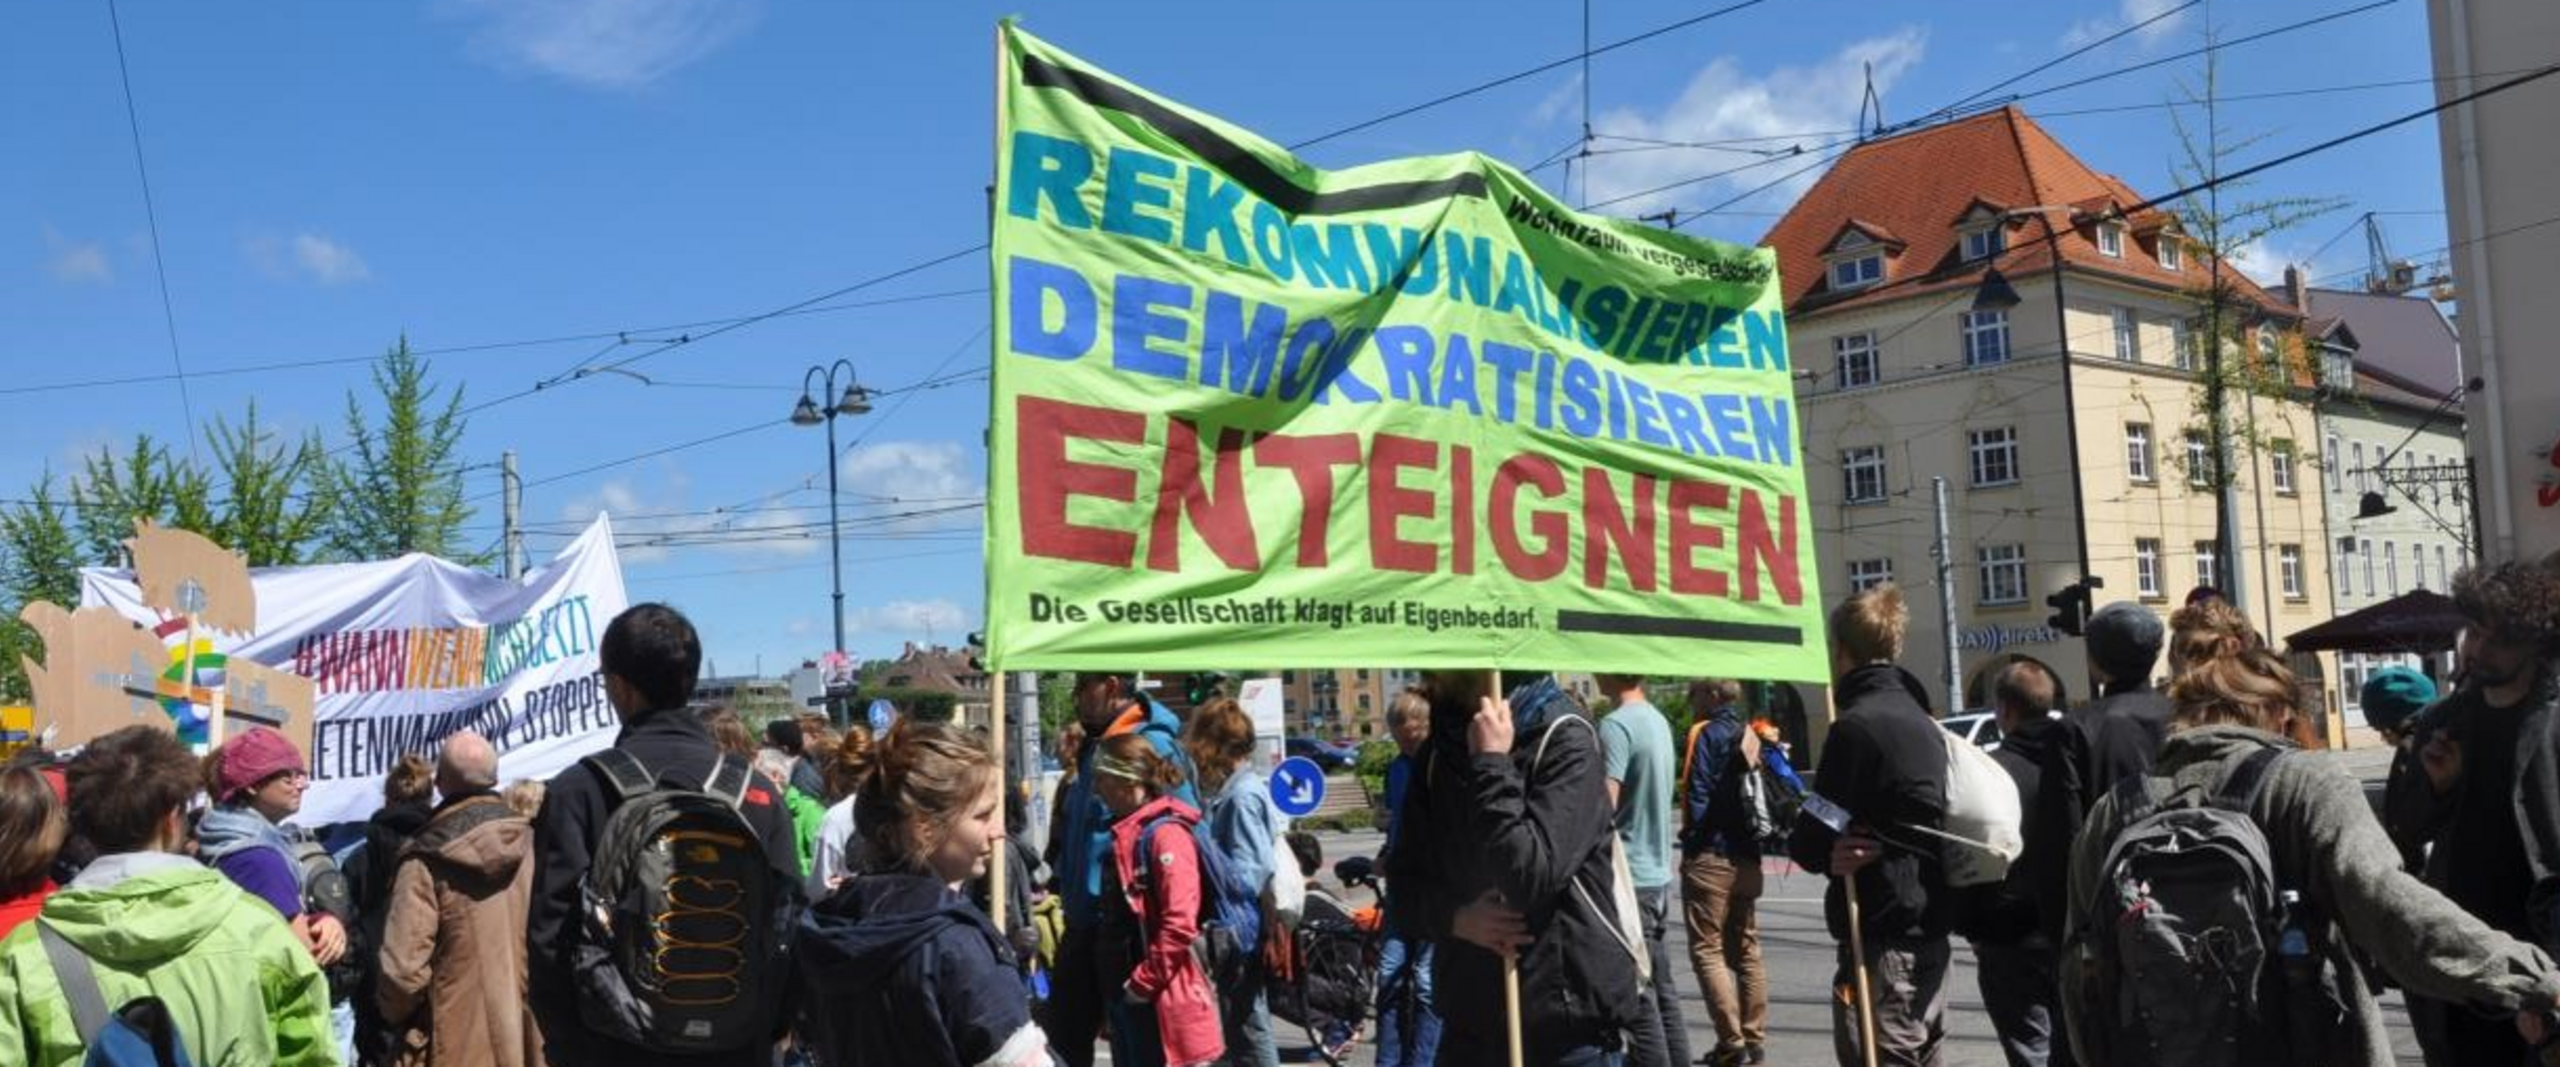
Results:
x,y
2234,698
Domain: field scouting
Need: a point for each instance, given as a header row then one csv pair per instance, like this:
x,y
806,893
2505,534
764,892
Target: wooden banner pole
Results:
x,y
1510,960
997,864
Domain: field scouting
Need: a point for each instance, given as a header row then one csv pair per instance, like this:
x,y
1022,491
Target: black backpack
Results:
x,y
681,943
2184,946
328,890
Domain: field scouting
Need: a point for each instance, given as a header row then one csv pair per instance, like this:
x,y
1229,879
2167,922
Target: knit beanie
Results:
x,y
2124,641
253,756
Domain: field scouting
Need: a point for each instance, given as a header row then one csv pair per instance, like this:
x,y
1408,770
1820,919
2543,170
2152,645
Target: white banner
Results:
x,y
405,653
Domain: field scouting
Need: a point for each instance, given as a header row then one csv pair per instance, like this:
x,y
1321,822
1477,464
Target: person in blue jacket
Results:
x,y
899,965
1107,704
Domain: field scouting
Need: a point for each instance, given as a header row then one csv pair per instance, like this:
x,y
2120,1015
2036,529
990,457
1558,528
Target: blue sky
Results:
x,y
329,176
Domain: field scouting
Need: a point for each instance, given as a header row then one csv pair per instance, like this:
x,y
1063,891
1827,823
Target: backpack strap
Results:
x,y
79,983
2239,791
728,780
1689,751
623,772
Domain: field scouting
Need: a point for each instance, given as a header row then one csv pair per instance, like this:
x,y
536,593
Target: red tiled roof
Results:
x,y
1912,185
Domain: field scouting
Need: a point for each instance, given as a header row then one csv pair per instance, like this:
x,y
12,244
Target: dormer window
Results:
x,y
1986,242
2111,239
2171,257
1858,272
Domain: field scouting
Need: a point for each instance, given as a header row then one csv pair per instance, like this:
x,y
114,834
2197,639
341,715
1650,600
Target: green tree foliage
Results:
x,y
273,509
401,490
39,560
116,488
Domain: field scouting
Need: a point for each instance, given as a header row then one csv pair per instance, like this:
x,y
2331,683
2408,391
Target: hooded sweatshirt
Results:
x,y
902,969
238,984
453,971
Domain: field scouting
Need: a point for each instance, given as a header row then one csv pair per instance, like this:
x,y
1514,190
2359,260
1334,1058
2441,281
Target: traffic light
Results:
x,y
1201,687
978,651
2071,606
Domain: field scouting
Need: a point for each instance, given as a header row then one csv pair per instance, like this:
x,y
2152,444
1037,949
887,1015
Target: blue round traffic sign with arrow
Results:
x,y
1297,786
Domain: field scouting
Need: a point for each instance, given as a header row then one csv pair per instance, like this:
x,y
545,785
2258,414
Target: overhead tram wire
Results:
x,y
151,213
2055,62
2207,49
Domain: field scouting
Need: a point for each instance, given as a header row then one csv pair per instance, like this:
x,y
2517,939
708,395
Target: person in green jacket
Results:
x,y
807,812
153,922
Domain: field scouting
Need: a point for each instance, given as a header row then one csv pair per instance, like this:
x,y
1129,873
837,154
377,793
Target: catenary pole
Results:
x,y
1947,597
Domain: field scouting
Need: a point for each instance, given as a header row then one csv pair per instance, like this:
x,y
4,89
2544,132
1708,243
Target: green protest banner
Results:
x,y
1253,414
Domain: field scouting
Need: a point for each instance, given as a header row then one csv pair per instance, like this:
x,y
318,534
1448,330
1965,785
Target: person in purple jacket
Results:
x,y
257,779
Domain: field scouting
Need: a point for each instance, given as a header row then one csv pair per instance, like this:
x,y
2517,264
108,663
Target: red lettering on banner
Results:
x,y
1390,502
1048,478
1224,519
1606,531
1550,526
1760,551
1688,535
1311,460
1462,509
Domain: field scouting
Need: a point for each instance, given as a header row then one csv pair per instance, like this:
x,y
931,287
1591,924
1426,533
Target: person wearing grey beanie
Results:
x,y
2114,736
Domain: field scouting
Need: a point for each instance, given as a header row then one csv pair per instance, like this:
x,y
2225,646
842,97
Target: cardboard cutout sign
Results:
x,y
103,671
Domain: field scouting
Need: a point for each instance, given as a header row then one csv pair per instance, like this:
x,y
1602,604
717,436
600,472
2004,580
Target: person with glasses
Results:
x,y
257,779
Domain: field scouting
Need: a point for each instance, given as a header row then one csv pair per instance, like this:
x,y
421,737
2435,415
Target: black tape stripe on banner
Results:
x,y
1602,622
1247,169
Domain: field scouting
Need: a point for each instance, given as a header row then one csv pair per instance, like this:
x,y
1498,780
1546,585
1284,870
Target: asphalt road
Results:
x,y
1799,955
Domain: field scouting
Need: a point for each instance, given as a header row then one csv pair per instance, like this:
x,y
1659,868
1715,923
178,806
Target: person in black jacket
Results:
x,y
1503,848
2107,740
651,660
900,966
2002,920
1883,772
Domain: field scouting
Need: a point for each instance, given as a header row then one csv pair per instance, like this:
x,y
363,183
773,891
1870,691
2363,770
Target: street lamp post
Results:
x,y
855,400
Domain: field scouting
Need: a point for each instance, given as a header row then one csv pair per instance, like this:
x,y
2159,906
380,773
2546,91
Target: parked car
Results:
x,y
1980,727
1329,755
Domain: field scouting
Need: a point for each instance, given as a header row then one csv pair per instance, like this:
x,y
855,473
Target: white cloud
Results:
x,y
801,627
75,261
1722,102
891,477
939,618
651,521
307,255
2128,13
602,44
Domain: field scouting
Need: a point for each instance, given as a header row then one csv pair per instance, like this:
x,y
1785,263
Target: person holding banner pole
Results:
x,y
1504,851
1883,770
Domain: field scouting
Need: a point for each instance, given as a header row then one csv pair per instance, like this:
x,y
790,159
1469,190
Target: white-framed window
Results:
x,y
1865,574
2364,550
2289,570
2146,567
2128,336
1862,474
2205,564
2280,470
2351,672
2357,450
1858,272
1986,337
2004,573
2346,554
1995,456
2267,344
2338,372
2137,452
2111,239
2391,567
1856,353
2442,574
1986,242
2171,257
2417,566
2199,460
2182,344
2329,463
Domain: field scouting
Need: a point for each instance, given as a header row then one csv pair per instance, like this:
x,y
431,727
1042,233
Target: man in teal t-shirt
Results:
x,y
1637,742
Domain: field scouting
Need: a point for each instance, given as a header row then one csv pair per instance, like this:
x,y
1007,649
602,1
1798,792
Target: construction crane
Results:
x,y
2396,277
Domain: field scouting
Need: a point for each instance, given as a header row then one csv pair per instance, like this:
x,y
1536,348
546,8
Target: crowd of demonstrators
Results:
x,y
901,968
1241,823
1408,1019
1164,1013
2480,799
787,737
452,963
2235,714
143,919
408,801
256,779
1636,755
1720,876
807,811
1883,782
2014,953
2112,737
1504,845
1089,972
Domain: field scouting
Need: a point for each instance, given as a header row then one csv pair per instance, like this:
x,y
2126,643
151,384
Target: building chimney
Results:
x,y
2294,289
